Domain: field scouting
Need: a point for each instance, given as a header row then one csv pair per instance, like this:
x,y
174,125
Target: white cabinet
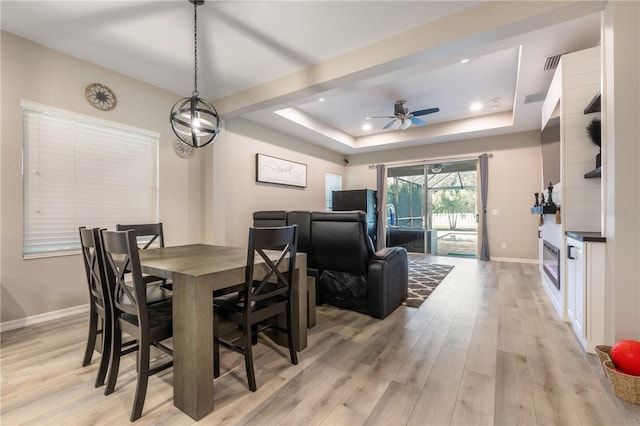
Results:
x,y
585,291
576,288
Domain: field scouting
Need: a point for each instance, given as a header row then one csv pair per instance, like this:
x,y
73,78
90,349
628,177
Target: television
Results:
x,y
550,147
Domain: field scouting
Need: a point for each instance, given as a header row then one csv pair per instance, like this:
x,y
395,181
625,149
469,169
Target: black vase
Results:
x,y
598,160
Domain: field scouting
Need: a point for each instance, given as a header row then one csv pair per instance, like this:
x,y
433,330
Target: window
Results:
x,y
331,183
82,171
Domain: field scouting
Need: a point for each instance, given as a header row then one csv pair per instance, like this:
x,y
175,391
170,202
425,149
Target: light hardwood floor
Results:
x,y
485,348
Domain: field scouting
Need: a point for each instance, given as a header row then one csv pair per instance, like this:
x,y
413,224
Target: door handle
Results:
x,y
569,247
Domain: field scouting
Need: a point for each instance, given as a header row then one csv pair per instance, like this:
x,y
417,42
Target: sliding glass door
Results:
x,y
406,208
432,208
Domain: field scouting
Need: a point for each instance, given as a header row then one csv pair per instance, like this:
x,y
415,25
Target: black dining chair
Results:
x,y
260,299
99,303
148,235
148,323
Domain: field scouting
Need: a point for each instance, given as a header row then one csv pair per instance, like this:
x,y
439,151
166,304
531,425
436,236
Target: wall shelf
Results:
x,y
595,173
544,210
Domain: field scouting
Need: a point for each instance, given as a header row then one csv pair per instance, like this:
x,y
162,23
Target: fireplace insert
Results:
x,y
551,262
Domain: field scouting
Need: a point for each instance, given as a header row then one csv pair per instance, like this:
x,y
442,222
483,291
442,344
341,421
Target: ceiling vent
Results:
x,y
551,62
535,97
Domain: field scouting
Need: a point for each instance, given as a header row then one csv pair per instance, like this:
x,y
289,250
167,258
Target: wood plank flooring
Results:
x,y
485,348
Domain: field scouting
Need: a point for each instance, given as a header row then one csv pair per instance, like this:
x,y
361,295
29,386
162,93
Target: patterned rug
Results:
x,y
423,279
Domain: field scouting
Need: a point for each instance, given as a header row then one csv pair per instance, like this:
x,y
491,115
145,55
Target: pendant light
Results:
x,y
194,120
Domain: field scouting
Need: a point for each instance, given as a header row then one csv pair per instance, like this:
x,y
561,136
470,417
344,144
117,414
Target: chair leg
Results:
x,y
106,355
248,358
114,362
254,334
143,380
292,350
216,345
91,338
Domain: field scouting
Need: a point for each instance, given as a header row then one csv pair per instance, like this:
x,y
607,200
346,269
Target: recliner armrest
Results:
x,y
387,281
387,253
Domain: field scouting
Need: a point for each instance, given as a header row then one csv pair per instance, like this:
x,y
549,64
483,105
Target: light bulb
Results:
x,y
405,123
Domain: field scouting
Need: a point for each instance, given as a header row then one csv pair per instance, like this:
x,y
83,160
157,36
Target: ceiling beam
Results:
x,y
488,22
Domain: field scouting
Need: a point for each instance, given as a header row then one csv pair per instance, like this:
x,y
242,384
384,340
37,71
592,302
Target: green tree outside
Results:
x,y
453,202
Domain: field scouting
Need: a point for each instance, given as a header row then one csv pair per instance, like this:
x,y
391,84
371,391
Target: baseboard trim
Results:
x,y
40,318
514,259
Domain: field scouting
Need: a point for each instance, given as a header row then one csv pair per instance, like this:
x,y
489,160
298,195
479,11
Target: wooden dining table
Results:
x,y
196,271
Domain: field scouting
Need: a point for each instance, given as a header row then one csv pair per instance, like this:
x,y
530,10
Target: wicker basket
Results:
x,y
625,386
604,353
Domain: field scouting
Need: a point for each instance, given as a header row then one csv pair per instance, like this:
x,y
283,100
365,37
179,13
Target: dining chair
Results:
x,y
260,299
148,235
99,303
148,323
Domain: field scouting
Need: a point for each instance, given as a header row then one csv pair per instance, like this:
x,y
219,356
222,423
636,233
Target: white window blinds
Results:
x,y
83,171
332,183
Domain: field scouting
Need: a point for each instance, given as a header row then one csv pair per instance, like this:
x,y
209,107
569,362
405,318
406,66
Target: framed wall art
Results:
x,y
280,172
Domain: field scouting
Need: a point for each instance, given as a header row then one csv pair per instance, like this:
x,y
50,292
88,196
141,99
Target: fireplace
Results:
x,y
551,262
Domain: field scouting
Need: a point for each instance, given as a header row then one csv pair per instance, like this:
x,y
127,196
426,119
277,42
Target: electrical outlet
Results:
x,y
504,245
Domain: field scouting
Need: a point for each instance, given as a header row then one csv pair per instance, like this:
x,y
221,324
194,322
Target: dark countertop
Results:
x,y
587,237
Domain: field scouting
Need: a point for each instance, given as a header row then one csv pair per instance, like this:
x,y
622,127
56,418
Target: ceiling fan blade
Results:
x,y
389,124
382,116
425,111
417,122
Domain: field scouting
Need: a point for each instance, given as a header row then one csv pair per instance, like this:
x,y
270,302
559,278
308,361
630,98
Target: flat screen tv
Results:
x,y
550,146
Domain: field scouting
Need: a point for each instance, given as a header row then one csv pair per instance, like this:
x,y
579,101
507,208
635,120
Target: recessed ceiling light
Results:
x,y
476,106
321,100
465,61
366,126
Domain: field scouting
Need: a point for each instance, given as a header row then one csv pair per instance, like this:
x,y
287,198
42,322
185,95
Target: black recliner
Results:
x,y
352,275
340,255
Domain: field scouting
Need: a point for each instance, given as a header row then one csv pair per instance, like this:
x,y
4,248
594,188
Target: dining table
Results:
x,y
197,270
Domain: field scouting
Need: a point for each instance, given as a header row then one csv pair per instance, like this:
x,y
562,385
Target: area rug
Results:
x,y
423,279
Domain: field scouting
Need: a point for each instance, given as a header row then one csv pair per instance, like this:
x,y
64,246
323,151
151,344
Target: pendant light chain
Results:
x,y
195,49
194,120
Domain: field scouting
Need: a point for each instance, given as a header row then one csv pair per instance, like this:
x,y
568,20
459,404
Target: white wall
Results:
x,y
33,72
514,176
235,192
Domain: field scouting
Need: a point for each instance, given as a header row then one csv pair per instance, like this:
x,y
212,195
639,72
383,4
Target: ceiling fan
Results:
x,y
402,118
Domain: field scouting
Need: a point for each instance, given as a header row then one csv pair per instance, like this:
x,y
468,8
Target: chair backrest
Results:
x,y
121,258
274,285
269,218
340,241
93,259
147,234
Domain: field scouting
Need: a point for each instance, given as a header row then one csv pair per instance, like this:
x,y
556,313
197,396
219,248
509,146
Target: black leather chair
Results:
x,y
303,220
352,275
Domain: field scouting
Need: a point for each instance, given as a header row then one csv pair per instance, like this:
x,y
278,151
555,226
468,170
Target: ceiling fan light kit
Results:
x,y
403,119
194,120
